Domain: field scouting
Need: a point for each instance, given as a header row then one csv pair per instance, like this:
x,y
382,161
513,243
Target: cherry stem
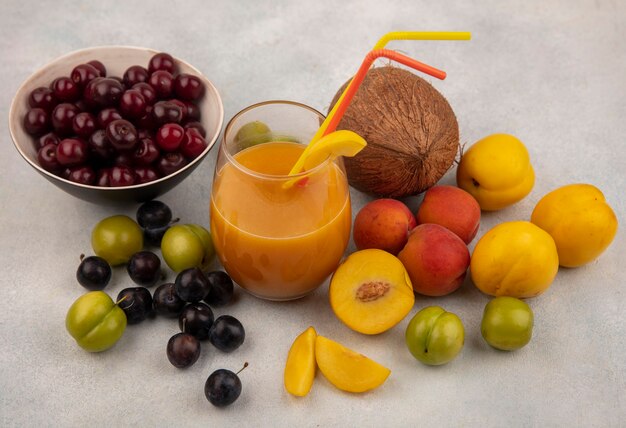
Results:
x,y
244,366
122,299
82,256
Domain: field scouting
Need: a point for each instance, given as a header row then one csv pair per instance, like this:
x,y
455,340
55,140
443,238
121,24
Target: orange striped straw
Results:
x,y
360,76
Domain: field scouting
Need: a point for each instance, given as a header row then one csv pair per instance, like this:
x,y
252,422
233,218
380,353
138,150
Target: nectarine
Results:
x,y
383,224
452,208
436,260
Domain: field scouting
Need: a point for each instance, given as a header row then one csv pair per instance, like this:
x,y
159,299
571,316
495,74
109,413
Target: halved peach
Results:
x,y
371,291
300,366
346,369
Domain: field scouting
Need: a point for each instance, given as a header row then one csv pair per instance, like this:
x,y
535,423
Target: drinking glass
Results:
x,y
278,236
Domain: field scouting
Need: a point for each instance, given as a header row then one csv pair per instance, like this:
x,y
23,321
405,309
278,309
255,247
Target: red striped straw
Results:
x,y
360,76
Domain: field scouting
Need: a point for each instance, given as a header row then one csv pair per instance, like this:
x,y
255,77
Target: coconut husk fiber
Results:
x,y
411,131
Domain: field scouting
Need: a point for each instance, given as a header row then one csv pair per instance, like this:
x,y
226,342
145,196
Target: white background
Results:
x,y
551,72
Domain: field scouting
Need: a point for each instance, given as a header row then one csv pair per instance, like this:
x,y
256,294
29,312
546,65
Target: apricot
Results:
x,y
300,366
371,292
383,224
346,369
496,171
579,220
436,260
516,259
452,208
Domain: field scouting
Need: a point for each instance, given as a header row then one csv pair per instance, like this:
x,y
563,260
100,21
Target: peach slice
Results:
x,y
371,291
300,366
337,143
346,369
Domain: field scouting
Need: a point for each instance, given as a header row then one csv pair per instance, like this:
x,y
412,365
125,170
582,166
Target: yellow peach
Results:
x,y
300,366
516,259
579,220
496,171
371,291
346,369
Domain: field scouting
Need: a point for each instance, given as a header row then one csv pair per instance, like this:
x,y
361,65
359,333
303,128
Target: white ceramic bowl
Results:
x,y
116,60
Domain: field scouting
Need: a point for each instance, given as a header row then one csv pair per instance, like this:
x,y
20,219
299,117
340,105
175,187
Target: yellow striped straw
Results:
x,y
422,35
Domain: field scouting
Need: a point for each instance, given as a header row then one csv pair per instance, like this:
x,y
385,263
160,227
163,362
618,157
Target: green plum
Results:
x,y
187,245
207,243
253,133
434,336
287,138
507,323
116,239
95,321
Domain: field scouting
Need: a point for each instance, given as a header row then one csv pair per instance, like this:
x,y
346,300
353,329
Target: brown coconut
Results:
x,y
411,132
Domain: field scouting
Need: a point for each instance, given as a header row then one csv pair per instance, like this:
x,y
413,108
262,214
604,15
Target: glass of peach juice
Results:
x,y
278,236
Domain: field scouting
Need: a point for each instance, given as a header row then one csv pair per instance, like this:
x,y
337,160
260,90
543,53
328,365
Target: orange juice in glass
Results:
x,y
276,239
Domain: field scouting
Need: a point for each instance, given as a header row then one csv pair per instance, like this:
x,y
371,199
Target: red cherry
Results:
x,y
145,174
193,111
169,136
63,118
148,92
99,66
104,177
162,61
100,147
169,163
72,151
121,176
163,83
42,98
82,175
83,74
135,74
198,126
188,87
47,158
36,122
84,124
108,115
145,152
133,104
65,90
49,138
193,144
122,134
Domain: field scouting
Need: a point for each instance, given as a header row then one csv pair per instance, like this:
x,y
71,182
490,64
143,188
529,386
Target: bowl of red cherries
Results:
x,y
116,123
